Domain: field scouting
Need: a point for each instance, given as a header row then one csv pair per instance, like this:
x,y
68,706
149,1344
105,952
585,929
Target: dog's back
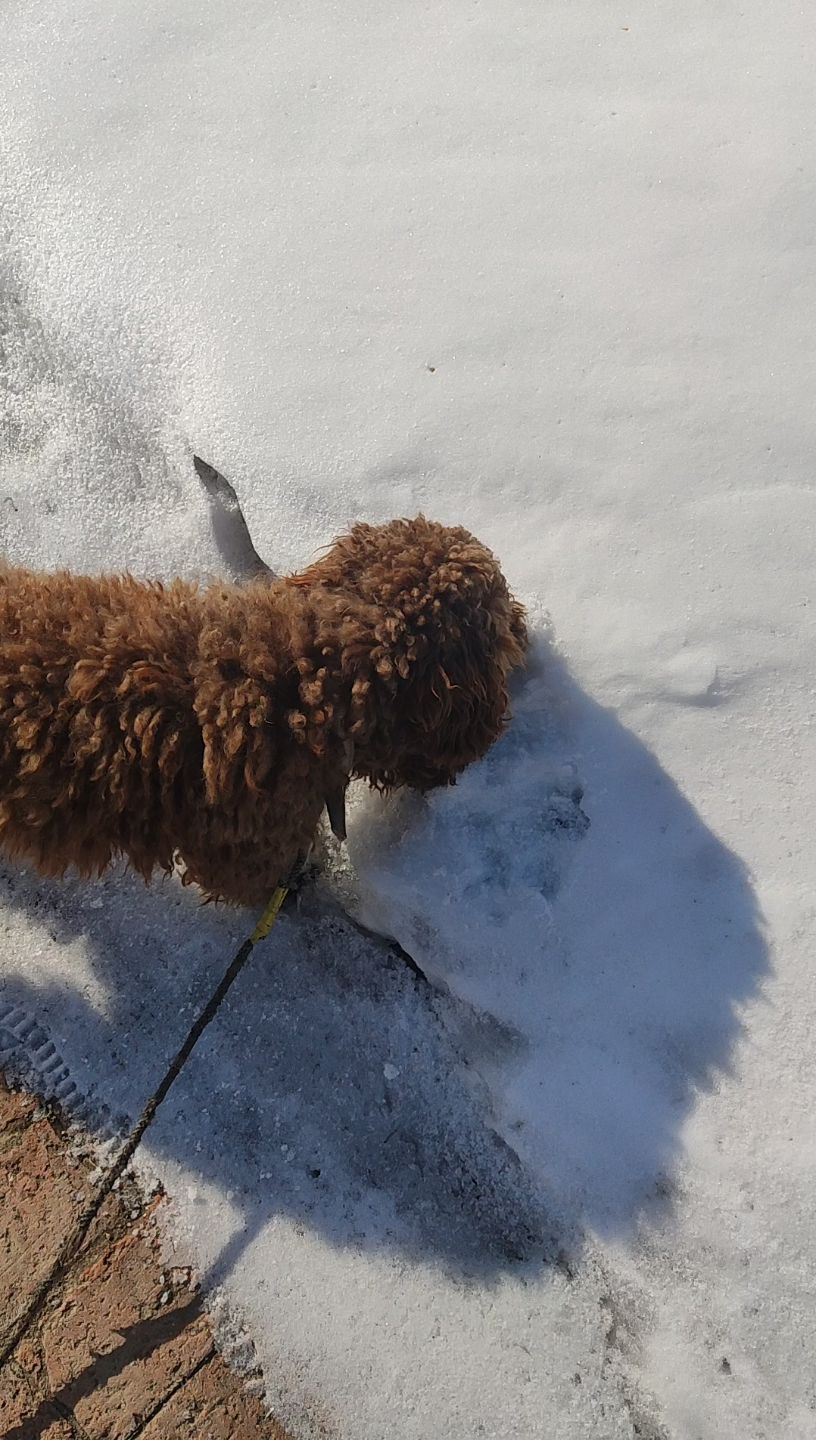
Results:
x,y
95,714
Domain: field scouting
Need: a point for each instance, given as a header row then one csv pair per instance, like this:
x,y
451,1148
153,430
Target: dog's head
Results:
x,y
428,632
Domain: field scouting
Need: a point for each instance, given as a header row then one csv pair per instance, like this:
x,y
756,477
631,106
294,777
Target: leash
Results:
x,y
73,1241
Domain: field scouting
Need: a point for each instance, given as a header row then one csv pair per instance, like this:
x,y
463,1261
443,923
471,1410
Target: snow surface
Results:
x,y
546,271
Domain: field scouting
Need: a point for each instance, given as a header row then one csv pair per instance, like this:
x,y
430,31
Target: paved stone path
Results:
x,y
124,1348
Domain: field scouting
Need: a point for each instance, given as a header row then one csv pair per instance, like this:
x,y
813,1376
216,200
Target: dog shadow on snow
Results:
x,y
340,1089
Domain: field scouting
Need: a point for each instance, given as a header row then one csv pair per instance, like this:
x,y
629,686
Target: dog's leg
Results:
x,y
336,797
336,809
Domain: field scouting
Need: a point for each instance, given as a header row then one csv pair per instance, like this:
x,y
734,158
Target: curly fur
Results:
x,y
210,726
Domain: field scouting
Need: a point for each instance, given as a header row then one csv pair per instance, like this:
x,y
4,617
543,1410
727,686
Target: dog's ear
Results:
x,y
461,705
461,709
336,796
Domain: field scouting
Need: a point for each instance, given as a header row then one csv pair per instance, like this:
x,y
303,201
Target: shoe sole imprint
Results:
x,y
29,1056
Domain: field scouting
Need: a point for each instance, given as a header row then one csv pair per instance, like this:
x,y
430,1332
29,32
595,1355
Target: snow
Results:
x,y
545,271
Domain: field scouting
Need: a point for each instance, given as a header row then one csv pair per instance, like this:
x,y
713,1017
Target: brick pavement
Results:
x,y
124,1349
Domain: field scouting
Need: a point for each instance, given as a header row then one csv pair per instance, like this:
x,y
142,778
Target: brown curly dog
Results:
x,y
209,727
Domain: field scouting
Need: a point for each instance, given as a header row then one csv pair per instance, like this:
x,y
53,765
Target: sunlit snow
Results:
x,y
545,271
